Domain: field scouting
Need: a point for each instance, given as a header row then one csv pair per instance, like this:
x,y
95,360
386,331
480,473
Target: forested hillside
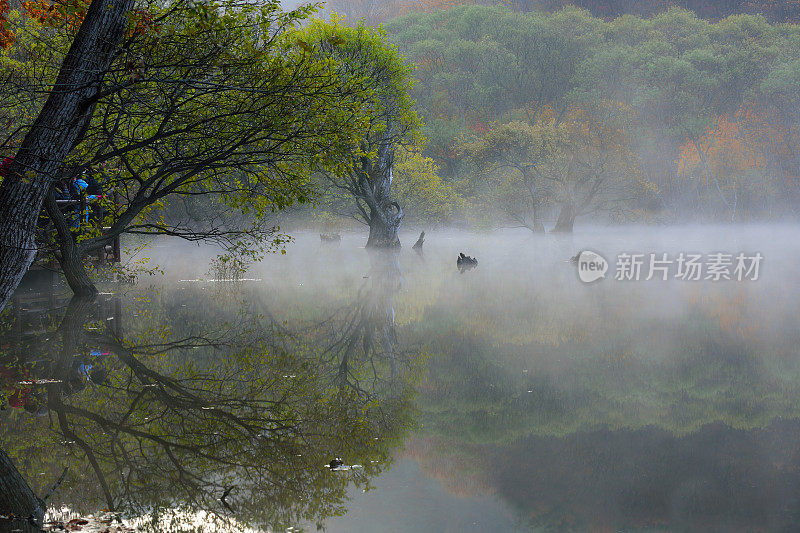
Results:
x,y
375,11
774,10
549,116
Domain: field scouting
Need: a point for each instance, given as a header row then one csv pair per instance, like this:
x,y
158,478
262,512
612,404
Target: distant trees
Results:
x,y
596,171
520,149
378,11
773,10
581,164
672,80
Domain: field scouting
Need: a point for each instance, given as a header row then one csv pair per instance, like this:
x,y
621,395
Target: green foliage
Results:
x,y
218,116
417,185
363,57
482,67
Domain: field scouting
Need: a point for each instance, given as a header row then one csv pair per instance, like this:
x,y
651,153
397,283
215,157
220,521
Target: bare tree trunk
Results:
x,y
55,131
386,215
566,219
75,273
530,180
418,245
16,497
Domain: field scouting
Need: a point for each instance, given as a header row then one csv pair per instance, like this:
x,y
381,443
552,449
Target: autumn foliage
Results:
x,y
731,147
427,6
64,14
59,13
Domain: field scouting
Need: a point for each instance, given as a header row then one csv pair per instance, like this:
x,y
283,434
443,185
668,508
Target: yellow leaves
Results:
x,y
305,46
418,186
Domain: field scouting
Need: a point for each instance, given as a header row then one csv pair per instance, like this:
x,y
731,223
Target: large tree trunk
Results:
x,y
386,215
383,227
16,497
75,273
566,218
70,254
54,132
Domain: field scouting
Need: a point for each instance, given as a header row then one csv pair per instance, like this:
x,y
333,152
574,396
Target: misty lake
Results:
x,y
510,397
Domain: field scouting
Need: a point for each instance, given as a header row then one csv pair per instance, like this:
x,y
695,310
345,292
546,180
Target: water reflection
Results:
x,y
617,407
362,336
205,403
515,390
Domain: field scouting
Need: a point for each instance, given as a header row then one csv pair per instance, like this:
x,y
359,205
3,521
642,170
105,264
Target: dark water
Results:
x,y
512,397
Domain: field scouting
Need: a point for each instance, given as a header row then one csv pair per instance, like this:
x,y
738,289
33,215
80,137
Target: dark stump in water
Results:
x,y
418,245
330,238
465,262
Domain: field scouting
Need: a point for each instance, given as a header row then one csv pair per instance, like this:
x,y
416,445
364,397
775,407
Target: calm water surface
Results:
x,y
511,397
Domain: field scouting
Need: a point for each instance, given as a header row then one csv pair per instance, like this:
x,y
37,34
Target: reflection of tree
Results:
x,y
718,479
363,336
180,419
616,420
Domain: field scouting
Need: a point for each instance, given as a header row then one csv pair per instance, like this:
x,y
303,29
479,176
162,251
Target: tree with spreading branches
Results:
x,y
363,55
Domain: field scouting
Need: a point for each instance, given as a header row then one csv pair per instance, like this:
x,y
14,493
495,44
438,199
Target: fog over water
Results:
x,y
510,397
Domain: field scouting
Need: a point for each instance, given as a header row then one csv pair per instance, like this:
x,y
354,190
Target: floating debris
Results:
x,y
220,280
345,468
418,245
337,465
39,381
465,262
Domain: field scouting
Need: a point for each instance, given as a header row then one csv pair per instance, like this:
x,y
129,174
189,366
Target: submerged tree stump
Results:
x,y
330,238
418,245
465,262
